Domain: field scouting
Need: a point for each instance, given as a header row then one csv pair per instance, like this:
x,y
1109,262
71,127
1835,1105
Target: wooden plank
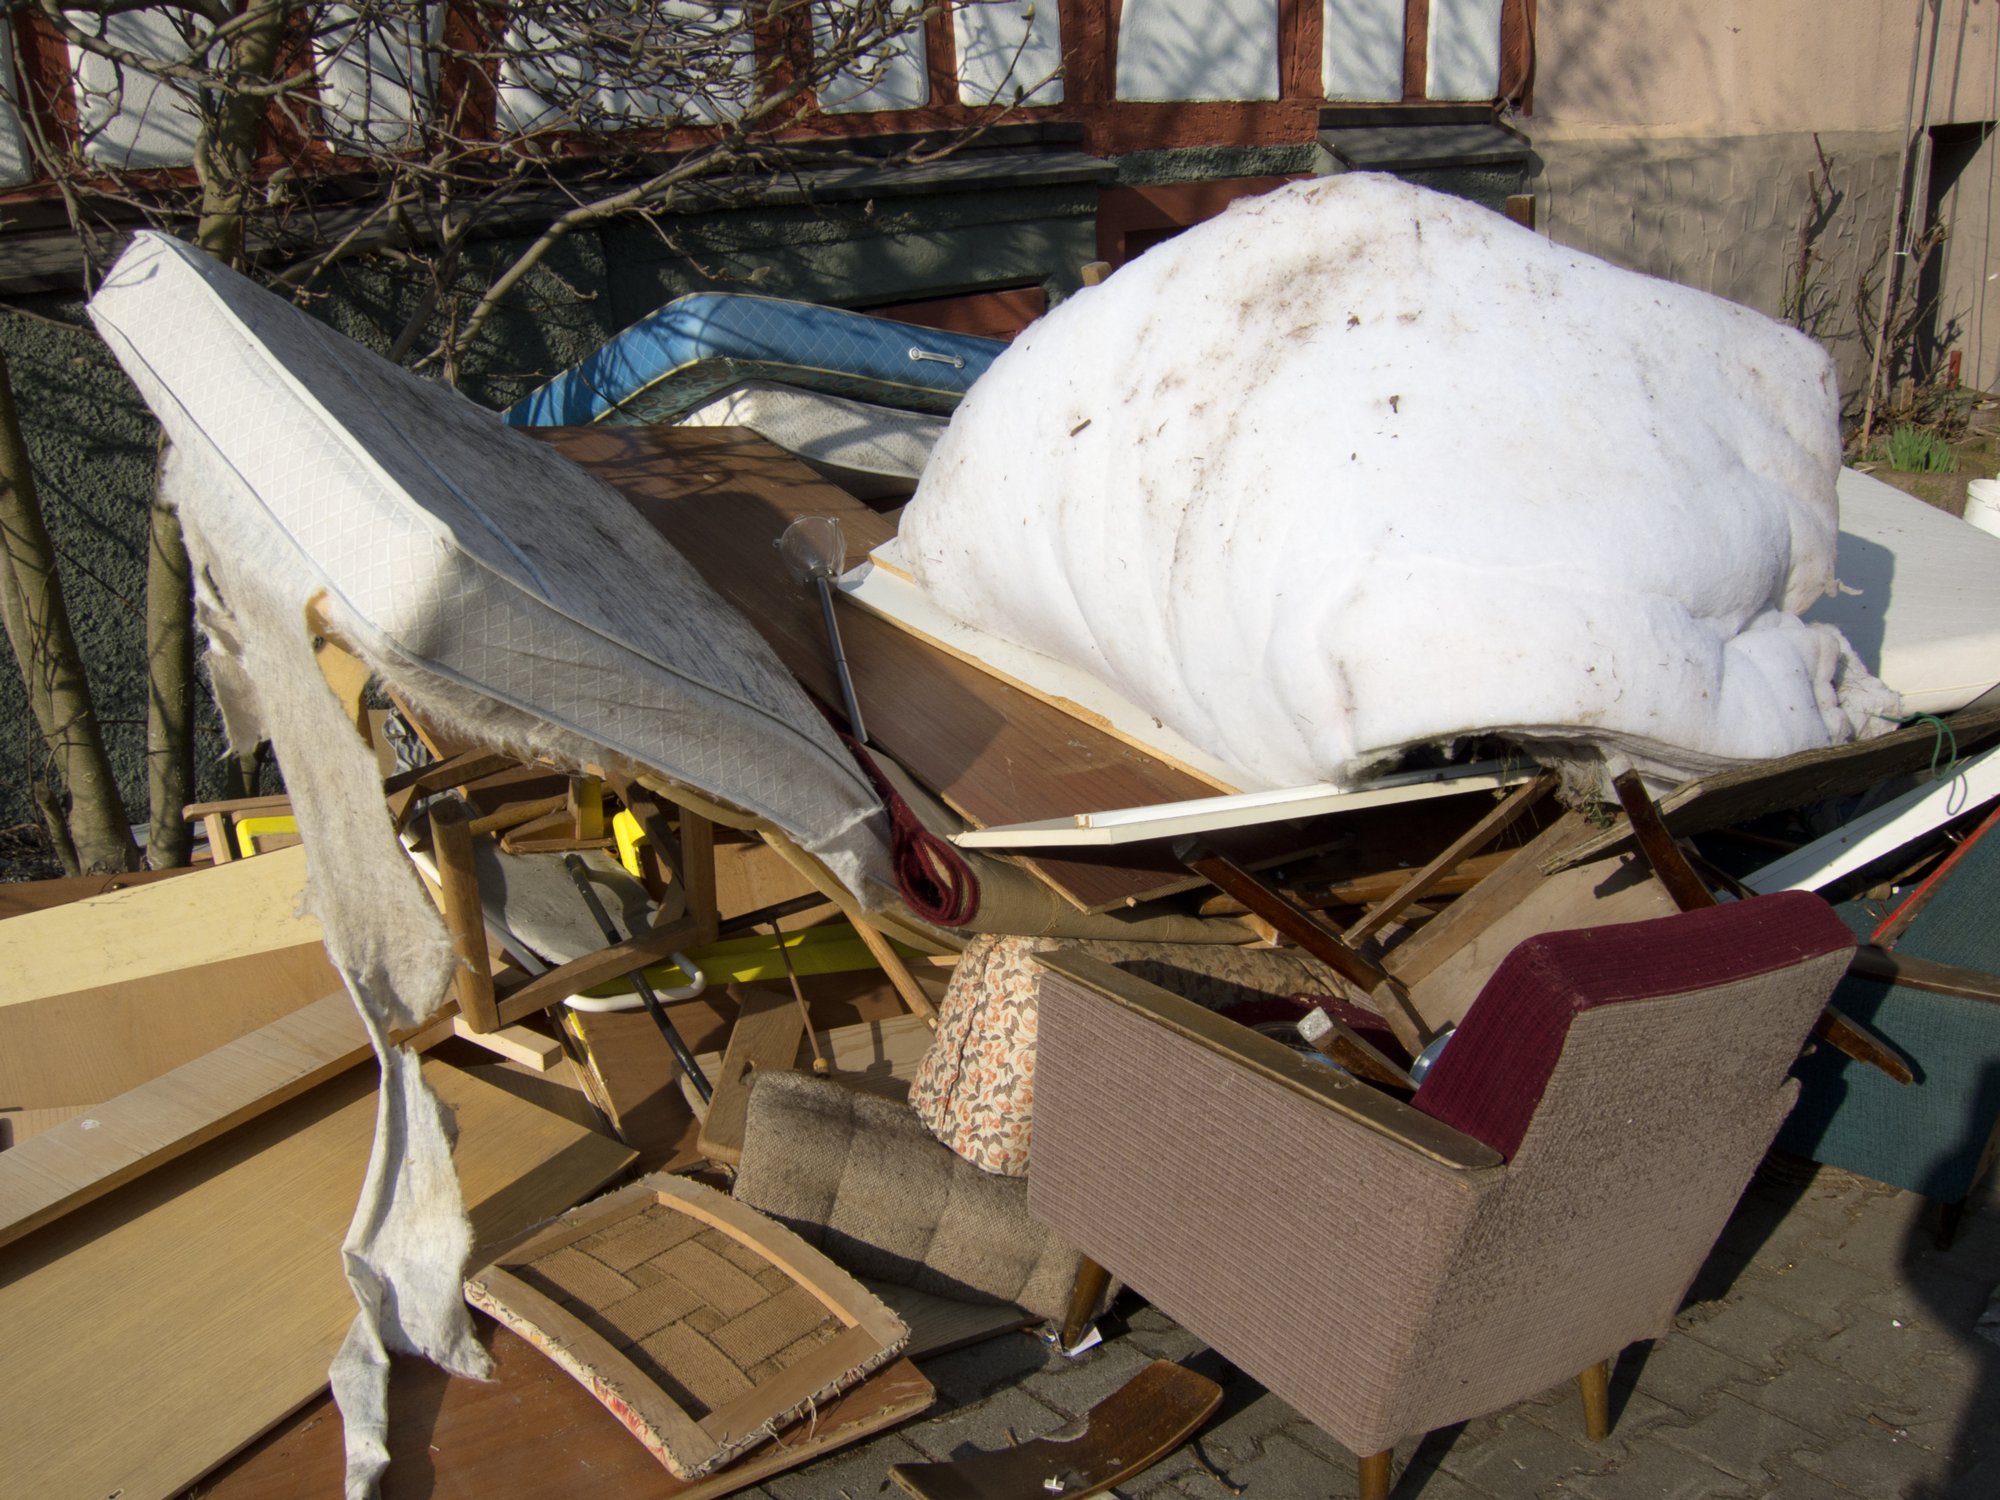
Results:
x,y
939,1325
766,1035
225,912
1124,1435
1489,901
1732,797
1454,854
18,897
533,1432
516,1043
994,754
93,1044
114,1142
883,587
203,1302
1620,889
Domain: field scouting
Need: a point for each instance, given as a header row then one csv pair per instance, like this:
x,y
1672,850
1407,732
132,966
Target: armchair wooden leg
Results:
x,y
1595,1383
1375,1475
1091,1279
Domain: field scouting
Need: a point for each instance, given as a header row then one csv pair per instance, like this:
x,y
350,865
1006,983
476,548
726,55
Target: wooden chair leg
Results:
x,y
1595,1383
1091,1279
1375,1475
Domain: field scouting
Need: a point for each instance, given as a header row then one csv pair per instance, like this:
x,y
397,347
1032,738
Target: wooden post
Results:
x,y
1595,1383
451,846
586,806
698,873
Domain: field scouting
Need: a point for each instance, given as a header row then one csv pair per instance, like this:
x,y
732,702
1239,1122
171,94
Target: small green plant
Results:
x,y
1912,450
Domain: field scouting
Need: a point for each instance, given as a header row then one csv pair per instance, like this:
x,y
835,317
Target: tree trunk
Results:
x,y
58,692
169,686
225,162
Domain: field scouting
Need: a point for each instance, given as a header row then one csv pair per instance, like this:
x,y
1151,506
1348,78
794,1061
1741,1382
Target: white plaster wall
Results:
x,y
1677,137
541,78
1463,50
1970,295
1187,50
15,167
375,75
1008,45
132,120
895,76
1361,49
1686,67
1726,214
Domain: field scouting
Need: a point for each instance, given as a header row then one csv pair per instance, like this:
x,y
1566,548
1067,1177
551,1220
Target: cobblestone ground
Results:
x,y
1826,1350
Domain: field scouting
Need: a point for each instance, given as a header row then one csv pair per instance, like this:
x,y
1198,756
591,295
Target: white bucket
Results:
x,y
1982,505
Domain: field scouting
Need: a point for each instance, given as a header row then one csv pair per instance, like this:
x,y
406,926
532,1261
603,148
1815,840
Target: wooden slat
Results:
x,y
593,969
1453,855
156,1331
766,1035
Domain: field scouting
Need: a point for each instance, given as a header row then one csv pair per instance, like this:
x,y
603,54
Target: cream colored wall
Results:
x,y
1740,67
1677,137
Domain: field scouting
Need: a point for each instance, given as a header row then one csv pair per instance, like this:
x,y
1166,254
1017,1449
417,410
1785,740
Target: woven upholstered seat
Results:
x,y
1370,1261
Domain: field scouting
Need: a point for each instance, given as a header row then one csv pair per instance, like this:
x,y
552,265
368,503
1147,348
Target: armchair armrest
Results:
x,y
1273,1060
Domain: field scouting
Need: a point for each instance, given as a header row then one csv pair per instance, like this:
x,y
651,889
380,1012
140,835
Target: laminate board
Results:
x,y
100,1040
208,916
102,1148
154,1332
993,753
532,1433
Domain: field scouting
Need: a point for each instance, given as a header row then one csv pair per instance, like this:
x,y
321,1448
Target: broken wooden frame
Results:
x,y
1691,893
689,1444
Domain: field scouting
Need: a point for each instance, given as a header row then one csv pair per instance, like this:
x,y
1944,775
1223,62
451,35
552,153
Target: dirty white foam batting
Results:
x,y
1356,466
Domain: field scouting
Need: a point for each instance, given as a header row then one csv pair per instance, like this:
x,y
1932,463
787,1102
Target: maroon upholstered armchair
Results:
x,y
1389,1267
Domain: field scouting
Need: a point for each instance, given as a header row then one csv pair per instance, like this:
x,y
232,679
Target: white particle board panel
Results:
x,y
894,75
1004,45
1883,830
1919,598
15,167
1464,53
1131,825
1187,50
130,119
1361,50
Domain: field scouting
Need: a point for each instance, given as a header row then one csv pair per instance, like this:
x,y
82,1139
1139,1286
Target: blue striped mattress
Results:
x,y
698,346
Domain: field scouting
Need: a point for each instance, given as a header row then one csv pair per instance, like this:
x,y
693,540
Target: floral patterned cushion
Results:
x,y
975,1088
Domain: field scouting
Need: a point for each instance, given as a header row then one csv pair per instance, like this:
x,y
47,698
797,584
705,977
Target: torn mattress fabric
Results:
x,y
1357,466
501,588
450,542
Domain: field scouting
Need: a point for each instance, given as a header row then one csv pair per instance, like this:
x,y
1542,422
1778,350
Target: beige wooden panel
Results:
x,y
155,1332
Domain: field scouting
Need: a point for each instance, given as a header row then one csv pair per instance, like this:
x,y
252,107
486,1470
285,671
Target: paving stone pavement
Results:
x,y
1826,1350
